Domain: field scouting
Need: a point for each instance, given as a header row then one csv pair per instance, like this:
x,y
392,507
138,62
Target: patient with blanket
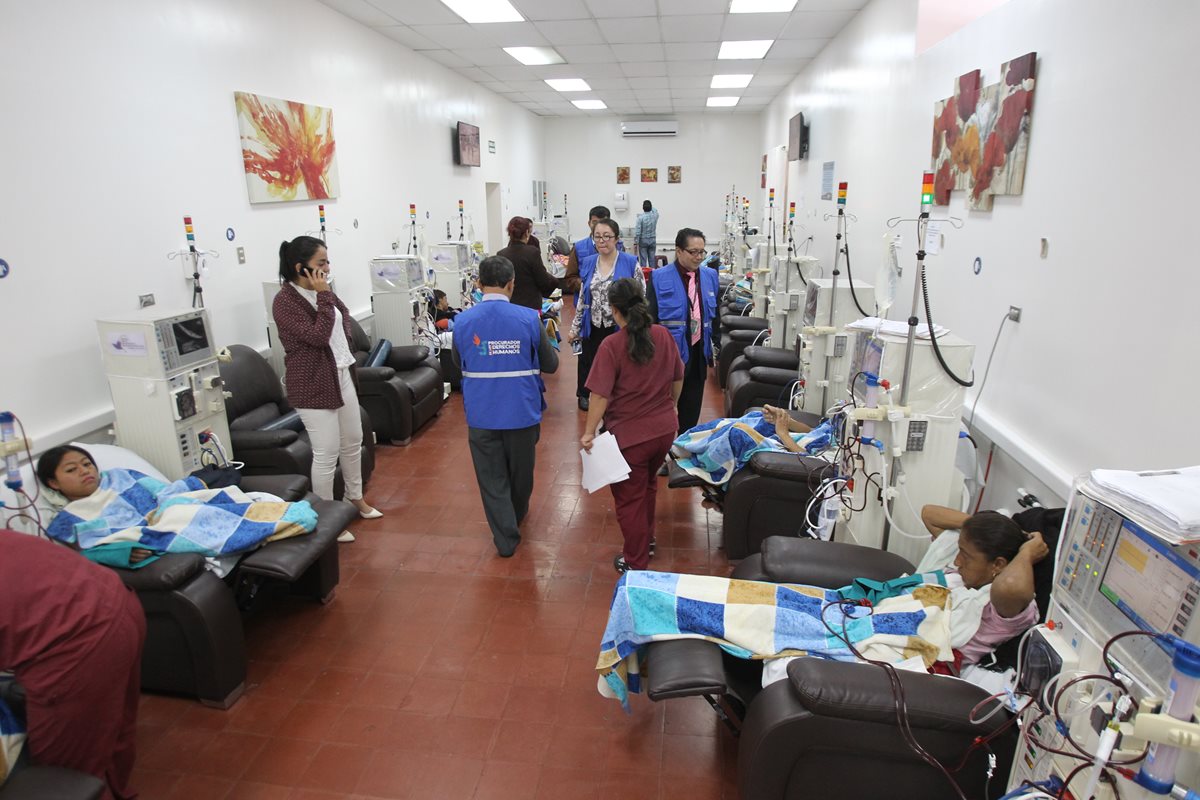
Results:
x,y
124,518
954,615
715,450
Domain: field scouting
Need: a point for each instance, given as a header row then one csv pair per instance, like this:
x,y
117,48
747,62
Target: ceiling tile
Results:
x,y
475,74
526,86
512,34
608,84
736,66
553,9
646,51
360,11
499,87
624,30
568,32
650,82
408,37
447,58
621,8
796,48
636,69
587,54
739,27
486,56
695,68
816,24
549,95
829,5
762,91
418,12
657,108
653,95
669,8
631,108
691,93
771,79
692,51
688,102
516,72
610,69
791,66
756,101
701,28
690,81
455,37
620,95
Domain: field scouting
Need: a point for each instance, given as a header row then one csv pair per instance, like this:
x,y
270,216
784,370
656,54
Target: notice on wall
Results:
x,y
827,180
933,238
126,343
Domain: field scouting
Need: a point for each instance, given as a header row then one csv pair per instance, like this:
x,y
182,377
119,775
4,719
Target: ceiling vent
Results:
x,y
640,128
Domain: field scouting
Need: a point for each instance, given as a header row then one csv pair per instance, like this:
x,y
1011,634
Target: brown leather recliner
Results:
x,y
737,333
403,393
758,377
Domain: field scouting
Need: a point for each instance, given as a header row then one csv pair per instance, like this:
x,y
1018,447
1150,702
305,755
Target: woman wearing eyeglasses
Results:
x,y
593,321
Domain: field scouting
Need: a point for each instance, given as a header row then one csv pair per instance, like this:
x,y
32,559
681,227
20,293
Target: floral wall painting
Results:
x,y
650,175
288,149
674,174
622,174
981,135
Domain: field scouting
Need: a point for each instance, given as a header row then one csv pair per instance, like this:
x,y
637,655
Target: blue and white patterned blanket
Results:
x,y
715,450
132,510
759,620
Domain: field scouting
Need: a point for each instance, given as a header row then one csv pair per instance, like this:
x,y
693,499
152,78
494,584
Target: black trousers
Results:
x,y
695,373
504,462
591,345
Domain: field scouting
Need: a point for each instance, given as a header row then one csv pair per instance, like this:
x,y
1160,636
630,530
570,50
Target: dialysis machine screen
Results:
x,y
1149,583
190,335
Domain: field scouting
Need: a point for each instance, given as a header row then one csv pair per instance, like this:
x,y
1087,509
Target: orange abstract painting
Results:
x,y
288,149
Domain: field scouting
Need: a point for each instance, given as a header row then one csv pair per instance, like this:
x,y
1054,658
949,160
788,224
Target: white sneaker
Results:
x,y
345,536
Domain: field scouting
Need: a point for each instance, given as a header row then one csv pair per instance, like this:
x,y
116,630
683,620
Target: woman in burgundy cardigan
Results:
x,y
314,327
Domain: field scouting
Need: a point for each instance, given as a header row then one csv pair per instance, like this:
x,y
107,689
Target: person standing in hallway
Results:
x,y
593,321
502,348
533,281
635,381
683,299
645,234
584,248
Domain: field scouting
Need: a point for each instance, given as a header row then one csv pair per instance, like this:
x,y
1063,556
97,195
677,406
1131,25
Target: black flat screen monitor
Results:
x,y
466,145
797,138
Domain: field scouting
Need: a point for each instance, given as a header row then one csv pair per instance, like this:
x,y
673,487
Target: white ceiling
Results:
x,y
639,56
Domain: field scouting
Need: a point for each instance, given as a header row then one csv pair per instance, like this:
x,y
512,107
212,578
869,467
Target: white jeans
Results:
x,y
336,433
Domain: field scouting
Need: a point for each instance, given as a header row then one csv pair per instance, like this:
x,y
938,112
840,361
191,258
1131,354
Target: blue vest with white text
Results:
x,y
673,309
586,247
625,267
497,343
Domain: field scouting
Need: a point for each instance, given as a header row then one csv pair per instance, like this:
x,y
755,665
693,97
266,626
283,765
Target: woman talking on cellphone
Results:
x,y
314,328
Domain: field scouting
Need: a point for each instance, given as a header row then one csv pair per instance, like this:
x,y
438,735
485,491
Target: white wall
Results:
x,y
119,120
1103,355
716,151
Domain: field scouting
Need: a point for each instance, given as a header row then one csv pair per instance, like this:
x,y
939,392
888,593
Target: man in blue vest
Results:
x,y
584,248
683,299
502,349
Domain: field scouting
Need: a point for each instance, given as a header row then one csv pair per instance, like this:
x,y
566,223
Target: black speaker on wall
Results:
x,y
797,138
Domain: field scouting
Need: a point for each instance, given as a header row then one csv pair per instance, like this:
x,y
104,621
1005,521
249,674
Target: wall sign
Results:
x,y
3,268
229,234
491,145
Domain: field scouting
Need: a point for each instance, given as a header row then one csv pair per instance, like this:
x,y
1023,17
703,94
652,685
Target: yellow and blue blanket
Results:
x,y
715,450
759,620
132,510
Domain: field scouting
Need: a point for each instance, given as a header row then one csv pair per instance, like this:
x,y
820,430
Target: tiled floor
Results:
x,y
443,671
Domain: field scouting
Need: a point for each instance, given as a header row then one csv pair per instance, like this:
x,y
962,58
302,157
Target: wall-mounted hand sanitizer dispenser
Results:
x,y
621,201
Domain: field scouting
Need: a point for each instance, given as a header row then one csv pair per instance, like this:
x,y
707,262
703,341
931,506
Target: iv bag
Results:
x,y
887,279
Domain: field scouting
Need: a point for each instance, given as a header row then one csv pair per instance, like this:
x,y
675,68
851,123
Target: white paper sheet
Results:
x,y
605,464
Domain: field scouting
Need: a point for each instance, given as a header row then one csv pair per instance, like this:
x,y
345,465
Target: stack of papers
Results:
x,y
605,464
1168,498
894,327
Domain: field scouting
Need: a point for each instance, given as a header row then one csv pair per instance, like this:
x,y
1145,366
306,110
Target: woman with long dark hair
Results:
x,y
635,380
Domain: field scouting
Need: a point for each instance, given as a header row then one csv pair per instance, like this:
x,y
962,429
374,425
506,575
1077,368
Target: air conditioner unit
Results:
x,y
662,127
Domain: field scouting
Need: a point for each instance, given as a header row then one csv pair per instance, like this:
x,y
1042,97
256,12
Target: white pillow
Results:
x,y
109,456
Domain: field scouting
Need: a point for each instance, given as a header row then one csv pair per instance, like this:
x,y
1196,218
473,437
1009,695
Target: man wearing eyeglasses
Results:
x,y
683,299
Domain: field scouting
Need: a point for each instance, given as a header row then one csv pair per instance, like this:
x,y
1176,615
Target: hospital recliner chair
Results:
x,y
401,394
267,433
737,333
758,377
829,729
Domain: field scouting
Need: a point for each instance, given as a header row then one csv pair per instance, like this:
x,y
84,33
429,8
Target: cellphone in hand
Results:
x,y
577,347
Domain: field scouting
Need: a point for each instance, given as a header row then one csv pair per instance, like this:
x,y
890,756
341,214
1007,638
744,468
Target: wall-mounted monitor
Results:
x,y
797,138
466,145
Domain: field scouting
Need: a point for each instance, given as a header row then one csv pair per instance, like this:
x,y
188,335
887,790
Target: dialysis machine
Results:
x,y
757,265
789,279
450,265
275,347
166,387
1115,571
399,287
826,347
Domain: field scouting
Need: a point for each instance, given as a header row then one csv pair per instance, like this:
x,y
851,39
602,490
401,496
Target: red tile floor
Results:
x,y
443,671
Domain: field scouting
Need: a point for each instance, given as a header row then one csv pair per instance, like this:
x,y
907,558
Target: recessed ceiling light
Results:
x,y
568,84
535,56
730,81
760,6
484,10
722,102
754,48
589,105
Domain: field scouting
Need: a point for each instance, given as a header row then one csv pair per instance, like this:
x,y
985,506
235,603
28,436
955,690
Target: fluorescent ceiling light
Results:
x,y
568,84
484,10
722,102
760,6
535,56
589,105
730,81
754,48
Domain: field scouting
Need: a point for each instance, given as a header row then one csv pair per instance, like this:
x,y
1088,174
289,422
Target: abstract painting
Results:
x,y
674,174
650,175
981,135
287,148
622,174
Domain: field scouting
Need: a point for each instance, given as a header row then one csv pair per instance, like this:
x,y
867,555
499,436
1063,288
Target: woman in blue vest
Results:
x,y
593,321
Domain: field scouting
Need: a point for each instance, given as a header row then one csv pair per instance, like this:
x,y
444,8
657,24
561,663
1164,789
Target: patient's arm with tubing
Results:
x,y
942,518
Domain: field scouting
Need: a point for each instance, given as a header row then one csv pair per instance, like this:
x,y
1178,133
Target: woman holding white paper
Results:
x,y
635,382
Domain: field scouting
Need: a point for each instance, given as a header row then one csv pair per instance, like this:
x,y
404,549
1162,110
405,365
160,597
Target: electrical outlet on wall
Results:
x,y
1014,313
241,251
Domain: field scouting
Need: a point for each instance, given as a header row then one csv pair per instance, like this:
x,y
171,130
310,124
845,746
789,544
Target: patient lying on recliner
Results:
x,y
124,518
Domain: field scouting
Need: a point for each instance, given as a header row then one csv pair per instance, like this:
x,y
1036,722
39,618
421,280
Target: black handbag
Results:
x,y
215,477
